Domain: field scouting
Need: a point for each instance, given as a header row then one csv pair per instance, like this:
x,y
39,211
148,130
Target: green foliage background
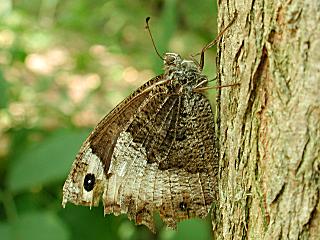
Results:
x,y
64,65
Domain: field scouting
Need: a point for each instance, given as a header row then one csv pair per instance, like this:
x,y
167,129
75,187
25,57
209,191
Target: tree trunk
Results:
x,y
270,124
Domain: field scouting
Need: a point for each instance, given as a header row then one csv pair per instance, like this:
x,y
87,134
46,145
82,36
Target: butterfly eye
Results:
x,y
169,60
89,182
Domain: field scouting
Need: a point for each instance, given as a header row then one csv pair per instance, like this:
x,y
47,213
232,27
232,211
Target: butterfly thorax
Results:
x,y
183,72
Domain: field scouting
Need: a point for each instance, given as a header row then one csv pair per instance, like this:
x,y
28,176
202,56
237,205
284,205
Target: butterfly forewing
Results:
x,y
105,135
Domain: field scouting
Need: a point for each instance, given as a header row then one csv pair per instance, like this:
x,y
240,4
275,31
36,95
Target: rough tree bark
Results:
x,y
269,125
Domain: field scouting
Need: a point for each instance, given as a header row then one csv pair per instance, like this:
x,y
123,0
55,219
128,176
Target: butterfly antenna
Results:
x,y
149,31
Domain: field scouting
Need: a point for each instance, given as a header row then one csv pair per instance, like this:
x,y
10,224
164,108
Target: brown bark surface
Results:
x,y
269,125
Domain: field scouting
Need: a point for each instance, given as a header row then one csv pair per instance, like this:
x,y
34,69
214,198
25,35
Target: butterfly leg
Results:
x,y
201,84
214,42
202,89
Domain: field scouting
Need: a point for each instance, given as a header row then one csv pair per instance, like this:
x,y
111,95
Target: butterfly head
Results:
x,y
86,180
172,59
173,62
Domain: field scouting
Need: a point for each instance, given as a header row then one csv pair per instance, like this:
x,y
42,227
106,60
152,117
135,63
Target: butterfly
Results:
x,y
154,152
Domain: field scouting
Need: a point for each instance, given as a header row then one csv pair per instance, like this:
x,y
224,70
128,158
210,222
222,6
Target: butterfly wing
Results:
x,y
155,152
163,161
95,154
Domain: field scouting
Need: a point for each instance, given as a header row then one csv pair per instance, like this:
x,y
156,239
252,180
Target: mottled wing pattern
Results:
x,y
163,162
95,154
104,136
153,153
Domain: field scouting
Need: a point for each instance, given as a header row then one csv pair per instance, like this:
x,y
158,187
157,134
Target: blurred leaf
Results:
x,y
39,225
86,223
196,19
193,229
45,162
83,60
3,91
80,16
5,231
189,229
169,21
18,53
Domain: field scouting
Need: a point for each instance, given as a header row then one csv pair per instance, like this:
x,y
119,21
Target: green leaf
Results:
x,y
46,162
39,225
5,231
86,223
3,91
189,229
